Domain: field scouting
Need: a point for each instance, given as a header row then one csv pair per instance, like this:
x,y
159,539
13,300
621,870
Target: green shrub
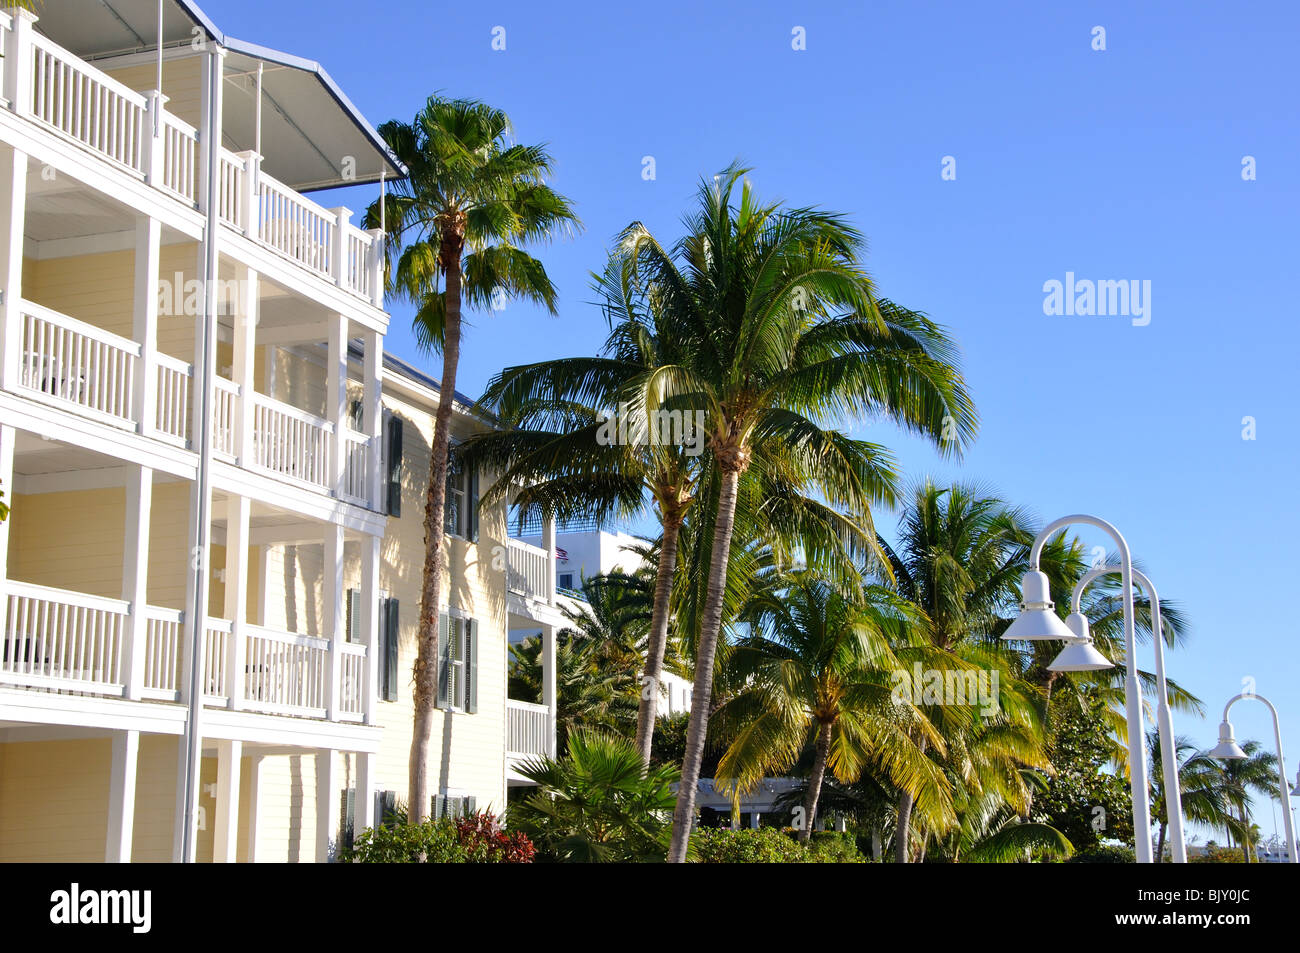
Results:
x,y
1218,855
766,845
1104,854
832,847
432,842
476,839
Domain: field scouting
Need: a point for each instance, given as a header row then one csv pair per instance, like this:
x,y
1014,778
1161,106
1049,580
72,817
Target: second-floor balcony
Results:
x,y
134,134
91,372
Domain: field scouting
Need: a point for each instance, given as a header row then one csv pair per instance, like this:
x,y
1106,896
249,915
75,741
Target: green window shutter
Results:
x,y
444,660
385,807
439,807
471,666
347,818
388,674
471,503
354,615
395,466
470,804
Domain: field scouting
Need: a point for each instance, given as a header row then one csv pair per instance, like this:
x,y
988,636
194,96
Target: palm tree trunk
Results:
x,y
654,655
903,832
425,674
1245,833
702,696
1160,842
815,782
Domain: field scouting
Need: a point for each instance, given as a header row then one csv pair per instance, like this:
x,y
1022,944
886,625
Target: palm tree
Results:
x,y
779,330
454,226
959,556
816,668
1254,774
1200,779
553,449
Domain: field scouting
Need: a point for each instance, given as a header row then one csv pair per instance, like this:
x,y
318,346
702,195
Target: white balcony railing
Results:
x,y
78,364
291,442
529,570
135,134
172,411
225,403
529,730
58,640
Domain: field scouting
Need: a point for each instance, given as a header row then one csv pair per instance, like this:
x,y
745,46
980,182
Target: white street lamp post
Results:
x,y
1228,749
1164,719
1038,621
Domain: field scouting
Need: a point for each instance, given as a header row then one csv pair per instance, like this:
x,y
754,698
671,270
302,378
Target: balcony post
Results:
x,y
18,61
376,266
13,215
225,826
339,245
326,785
335,620
336,396
363,802
238,518
372,414
250,188
552,565
121,796
548,685
135,575
148,247
7,437
210,113
370,624
244,354
156,147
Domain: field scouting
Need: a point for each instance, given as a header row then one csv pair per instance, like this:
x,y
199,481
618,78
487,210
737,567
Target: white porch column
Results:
x,y
17,63
226,823
135,574
369,627
148,247
336,394
243,358
7,437
121,796
548,544
254,803
343,218
375,263
363,803
238,515
13,215
335,618
548,683
373,415
326,809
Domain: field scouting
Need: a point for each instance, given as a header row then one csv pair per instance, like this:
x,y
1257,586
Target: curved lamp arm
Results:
x,y
1287,820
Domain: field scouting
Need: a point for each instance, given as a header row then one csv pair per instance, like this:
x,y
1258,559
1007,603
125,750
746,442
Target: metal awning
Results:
x,y
309,127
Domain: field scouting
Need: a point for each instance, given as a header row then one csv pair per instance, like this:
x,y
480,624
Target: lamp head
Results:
x,y
1227,749
1079,654
1037,619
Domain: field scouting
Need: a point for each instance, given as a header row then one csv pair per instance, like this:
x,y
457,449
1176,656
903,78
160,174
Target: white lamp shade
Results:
x,y
1037,620
1080,656
1227,749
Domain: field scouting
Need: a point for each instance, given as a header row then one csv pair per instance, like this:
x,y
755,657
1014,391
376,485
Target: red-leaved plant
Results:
x,y
486,842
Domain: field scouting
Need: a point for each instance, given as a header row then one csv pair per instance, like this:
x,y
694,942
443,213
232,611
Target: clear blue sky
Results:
x,y
1122,164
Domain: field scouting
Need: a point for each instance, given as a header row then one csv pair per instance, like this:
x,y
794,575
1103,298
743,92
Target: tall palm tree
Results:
x,y
554,453
959,556
1200,779
779,332
1254,774
454,227
816,668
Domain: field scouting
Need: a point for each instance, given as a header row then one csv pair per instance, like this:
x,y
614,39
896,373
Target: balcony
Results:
x,y
92,373
134,134
530,731
57,640
529,572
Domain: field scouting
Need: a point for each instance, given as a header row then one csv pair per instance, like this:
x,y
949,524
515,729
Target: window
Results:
x,y
461,515
394,467
388,640
356,415
565,581
452,806
458,664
